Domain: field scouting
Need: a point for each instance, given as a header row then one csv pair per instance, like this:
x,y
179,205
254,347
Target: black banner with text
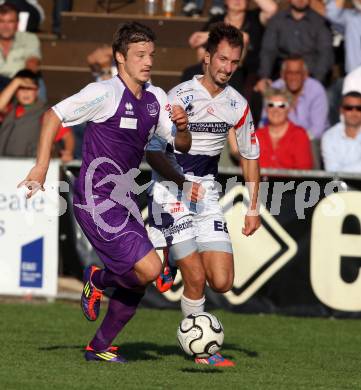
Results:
x,y
304,260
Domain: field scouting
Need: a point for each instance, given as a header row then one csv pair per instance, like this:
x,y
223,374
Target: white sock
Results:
x,y
191,306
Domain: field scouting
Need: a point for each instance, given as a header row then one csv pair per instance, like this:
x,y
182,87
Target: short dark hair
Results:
x,y
354,94
222,31
6,8
28,74
130,33
294,57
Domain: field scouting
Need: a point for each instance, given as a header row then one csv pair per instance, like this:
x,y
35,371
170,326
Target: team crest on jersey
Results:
x,y
153,108
210,110
187,99
234,104
129,108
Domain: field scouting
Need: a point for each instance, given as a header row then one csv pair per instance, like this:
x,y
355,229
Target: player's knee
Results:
x,y
153,272
148,269
198,280
195,285
221,285
194,279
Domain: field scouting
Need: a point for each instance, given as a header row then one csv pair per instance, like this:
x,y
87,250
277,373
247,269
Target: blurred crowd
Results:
x,y
301,74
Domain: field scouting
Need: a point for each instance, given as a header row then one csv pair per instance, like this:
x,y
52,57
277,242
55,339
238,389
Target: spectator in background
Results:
x,y
19,49
349,20
101,63
194,8
59,7
297,30
352,81
341,144
283,144
32,8
309,107
23,110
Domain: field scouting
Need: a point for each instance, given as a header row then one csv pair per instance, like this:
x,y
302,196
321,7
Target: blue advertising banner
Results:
x,y
31,265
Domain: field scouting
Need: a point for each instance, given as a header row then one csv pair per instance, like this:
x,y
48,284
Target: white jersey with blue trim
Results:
x,y
210,119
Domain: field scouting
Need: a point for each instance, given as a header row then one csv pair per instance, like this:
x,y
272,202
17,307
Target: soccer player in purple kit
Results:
x,y
122,114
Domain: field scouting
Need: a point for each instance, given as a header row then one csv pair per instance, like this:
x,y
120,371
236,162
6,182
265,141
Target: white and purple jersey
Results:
x,y
119,126
118,129
210,119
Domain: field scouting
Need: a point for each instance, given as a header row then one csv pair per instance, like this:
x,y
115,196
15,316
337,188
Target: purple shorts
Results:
x,y
120,243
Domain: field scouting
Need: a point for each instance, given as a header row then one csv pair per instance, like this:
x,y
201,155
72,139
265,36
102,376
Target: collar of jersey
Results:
x,y
200,87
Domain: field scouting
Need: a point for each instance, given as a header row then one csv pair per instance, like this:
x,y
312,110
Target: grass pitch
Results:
x,y
41,348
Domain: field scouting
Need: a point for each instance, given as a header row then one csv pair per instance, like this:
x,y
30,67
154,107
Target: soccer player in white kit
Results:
x,y
196,233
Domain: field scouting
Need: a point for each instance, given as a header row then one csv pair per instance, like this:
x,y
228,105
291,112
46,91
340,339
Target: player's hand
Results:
x,y
66,156
194,191
34,181
179,117
251,224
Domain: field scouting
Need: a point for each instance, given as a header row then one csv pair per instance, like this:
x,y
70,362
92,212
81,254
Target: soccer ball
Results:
x,y
200,335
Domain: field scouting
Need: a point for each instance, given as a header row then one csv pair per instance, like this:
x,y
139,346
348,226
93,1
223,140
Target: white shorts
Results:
x,y
174,220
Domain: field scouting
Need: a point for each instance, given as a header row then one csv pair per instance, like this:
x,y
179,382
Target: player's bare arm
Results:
x,y
251,176
36,178
183,137
160,163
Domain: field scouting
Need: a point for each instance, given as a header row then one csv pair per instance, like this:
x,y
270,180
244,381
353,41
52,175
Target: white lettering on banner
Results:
x,y
328,245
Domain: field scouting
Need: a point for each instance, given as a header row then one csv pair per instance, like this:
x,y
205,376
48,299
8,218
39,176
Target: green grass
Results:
x,y
41,348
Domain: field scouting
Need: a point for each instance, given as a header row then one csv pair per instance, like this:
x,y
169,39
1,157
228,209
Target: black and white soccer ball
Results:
x,y
200,335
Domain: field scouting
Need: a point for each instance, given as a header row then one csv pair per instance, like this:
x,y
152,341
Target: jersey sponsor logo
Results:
x,y
128,123
176,229
187,99
176,207
220,226
209,127
92,103
129,109
153,108
129,106
182,91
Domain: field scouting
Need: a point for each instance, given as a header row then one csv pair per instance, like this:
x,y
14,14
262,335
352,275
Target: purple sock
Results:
x,y
122,307
104,278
